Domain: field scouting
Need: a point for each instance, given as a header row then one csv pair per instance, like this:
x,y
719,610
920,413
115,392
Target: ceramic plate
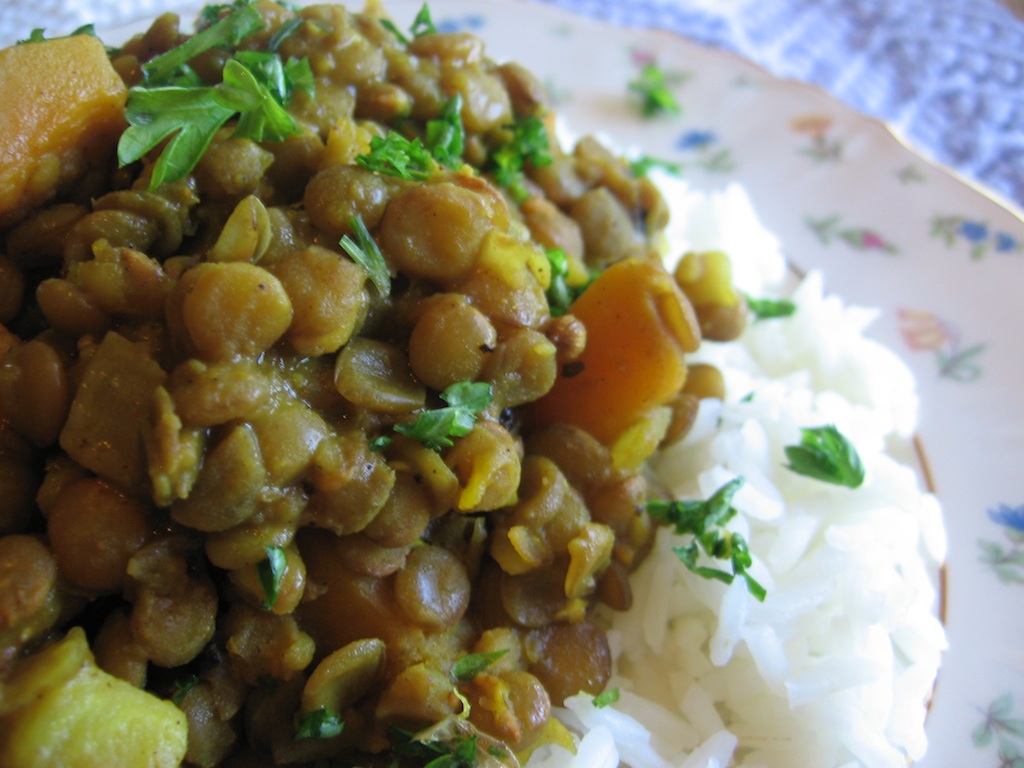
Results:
x,y
942,261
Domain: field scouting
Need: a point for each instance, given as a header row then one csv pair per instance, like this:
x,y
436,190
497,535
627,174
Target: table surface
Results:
x,y
946,75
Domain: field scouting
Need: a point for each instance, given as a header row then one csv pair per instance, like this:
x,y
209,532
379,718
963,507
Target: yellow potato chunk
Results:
x,y
83,717
63,106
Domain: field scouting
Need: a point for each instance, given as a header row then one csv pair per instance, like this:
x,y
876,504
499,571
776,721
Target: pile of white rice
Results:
x,y
837,665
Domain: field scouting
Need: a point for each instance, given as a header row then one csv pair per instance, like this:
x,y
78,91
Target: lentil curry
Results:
x,y
323,415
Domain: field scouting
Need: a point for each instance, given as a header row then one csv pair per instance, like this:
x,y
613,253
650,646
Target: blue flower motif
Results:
x,y
1006,243
469,23
696,140
1012,517
974,231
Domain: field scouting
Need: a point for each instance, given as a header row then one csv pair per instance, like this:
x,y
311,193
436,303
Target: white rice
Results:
x,y
837,665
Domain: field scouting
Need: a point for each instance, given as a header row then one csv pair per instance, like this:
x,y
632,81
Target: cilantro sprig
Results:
x,y
458,753
824,453
768,309
652,88
705,522
173,106
435,428
321,723
471,665
270,573
366,253
606,698
228,32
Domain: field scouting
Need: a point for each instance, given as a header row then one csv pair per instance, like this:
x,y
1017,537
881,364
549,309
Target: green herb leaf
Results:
x,y
181,688
280,79
38,34
607,697
261,116
705,521
435,428
423,24
322,723
654,93
379,443
767,309
439,754
398,156
283,32
825,454
529,144
560,294
445,136
190,115
365,252
643,165
468,667
270,573
224,33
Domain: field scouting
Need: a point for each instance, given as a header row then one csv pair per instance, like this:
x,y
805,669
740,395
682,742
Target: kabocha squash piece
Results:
x,y
60,708
63,110
639,328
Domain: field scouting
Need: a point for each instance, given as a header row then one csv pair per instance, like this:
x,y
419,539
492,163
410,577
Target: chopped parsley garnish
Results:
x,y
423,24
414,160
606,698
824,453
529,144
468,667
767,309
322,723
436,428
645,164
181,688
705,521
270,573
398,156
438,754
559,293
365,252
655,96
445,136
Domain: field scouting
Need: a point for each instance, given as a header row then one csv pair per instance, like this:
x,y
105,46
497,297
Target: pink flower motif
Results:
x,y
871,239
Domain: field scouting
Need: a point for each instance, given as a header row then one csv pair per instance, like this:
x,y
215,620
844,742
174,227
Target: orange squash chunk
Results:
x,y
63,107
639,328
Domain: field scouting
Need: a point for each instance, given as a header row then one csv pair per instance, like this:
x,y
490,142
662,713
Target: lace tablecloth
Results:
x,y
947,75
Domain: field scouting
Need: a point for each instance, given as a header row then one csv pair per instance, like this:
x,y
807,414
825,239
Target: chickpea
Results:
x,y
12,289
174,602
228,310
35,393
94,530
435,231
327,291
450,342
340,192
433,588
